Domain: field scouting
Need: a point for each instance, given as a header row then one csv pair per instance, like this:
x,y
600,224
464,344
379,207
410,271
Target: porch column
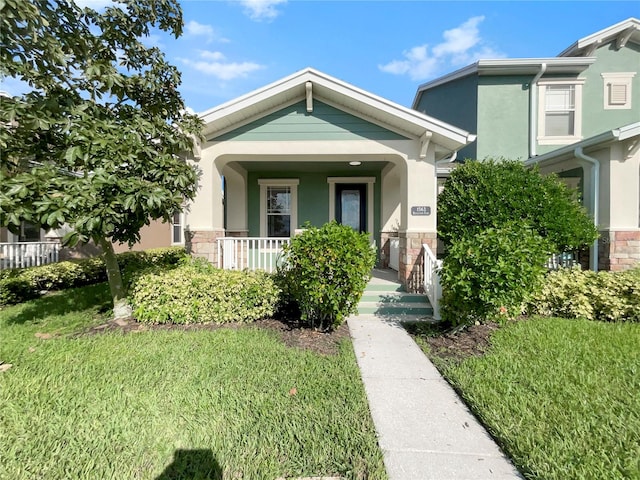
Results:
x,y
205,219
418,219
390,206
235,178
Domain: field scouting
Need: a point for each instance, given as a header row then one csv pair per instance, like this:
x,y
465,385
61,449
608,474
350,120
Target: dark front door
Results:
x,y
351,205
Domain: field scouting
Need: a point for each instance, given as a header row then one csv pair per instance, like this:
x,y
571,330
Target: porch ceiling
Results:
x,y
312,167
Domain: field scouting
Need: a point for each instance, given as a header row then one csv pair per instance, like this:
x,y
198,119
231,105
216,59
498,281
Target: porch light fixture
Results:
x,y
355,164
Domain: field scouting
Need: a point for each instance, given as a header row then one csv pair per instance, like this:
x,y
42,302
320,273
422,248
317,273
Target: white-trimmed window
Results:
x,y
278,206
560,111
617,90
176,228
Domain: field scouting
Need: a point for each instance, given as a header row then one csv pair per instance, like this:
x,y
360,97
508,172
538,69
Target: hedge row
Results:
x,y
573,293
19,285
196,292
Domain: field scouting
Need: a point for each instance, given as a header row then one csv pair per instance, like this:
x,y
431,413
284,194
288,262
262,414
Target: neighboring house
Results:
x,y
561,113
311,148
158,234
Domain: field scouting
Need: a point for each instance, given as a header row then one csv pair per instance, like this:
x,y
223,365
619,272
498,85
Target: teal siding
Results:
x,y
295,123
455,103
313,197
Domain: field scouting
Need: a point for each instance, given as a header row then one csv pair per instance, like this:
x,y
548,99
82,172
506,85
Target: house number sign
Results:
x,y
420,211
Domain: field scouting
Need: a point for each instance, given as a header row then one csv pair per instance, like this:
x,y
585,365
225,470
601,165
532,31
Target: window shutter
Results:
x,y
617,94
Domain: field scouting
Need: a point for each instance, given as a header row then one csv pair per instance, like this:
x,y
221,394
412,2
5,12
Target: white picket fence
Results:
x,y
432,286
253,253
28,254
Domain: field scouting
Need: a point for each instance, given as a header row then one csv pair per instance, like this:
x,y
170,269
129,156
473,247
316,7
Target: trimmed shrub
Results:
x,y
488,277
19,285
573,293
325,272
489,194
199,293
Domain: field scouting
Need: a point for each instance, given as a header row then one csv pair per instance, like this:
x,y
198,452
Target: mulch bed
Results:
x,y
457,345
291,333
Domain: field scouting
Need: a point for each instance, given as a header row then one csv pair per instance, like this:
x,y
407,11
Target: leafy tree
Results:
x,y
490,194
96,143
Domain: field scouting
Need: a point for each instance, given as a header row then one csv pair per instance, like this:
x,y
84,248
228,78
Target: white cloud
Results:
x,y
196,29
215,64
461,39
259,10
461,45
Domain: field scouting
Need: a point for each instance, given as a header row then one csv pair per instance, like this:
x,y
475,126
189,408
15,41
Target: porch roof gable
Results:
x,y
339,94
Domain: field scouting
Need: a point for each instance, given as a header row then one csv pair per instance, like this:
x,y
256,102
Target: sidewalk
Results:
x,y
424,429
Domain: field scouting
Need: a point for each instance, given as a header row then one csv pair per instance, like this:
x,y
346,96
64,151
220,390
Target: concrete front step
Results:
x,y
409,308
393,297
384,287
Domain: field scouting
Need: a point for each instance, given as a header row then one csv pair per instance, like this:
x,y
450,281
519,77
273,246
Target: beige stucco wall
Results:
x,y
155,235
619,199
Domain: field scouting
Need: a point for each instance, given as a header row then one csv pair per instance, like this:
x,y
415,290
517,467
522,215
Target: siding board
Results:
x,y
324,123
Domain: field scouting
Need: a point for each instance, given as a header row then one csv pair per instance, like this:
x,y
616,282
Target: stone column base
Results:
x,y
202,244
384,250
411,271
618,250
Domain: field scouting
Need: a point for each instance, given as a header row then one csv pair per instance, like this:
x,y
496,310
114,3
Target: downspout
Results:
x,y
451,159
533,110
595,179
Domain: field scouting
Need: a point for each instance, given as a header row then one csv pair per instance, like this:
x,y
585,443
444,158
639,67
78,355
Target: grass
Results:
x,y
562,397
172,404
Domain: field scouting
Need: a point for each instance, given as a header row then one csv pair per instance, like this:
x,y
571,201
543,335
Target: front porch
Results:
x,y
312,149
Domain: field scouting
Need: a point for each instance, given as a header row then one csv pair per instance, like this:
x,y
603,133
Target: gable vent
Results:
x,y
617,94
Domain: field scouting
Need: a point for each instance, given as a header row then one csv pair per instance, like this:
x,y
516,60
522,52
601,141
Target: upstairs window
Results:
x,y
560,112
617,90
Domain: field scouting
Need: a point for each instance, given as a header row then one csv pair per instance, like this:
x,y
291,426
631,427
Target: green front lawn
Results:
x,y
561,396
160,404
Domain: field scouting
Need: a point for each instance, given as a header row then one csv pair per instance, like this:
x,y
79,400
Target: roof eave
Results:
x,y
518,66
617,134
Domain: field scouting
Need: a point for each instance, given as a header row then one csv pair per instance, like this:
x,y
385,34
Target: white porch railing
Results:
x,y
28,254
562,260
253,253
432,280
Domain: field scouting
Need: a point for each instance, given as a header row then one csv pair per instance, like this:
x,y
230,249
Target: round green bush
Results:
x,y
489,194
490,276
197,293
325,272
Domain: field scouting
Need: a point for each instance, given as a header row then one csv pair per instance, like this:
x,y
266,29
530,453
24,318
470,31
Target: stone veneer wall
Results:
x,y
618,250
411,272
203,244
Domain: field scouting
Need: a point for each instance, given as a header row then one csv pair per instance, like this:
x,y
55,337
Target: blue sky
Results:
x,y
386,47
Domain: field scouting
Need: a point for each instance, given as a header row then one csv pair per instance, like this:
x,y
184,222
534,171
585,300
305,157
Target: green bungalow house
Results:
x,y
312,148
577,114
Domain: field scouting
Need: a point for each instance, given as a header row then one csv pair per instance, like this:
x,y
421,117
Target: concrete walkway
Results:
x,y
424,429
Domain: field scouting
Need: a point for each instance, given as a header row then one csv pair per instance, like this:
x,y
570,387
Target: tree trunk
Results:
x,y
121,307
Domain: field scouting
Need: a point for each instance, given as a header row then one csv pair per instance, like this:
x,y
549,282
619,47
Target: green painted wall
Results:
x,y
595,118
503,117
324,123
313,196
455,103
